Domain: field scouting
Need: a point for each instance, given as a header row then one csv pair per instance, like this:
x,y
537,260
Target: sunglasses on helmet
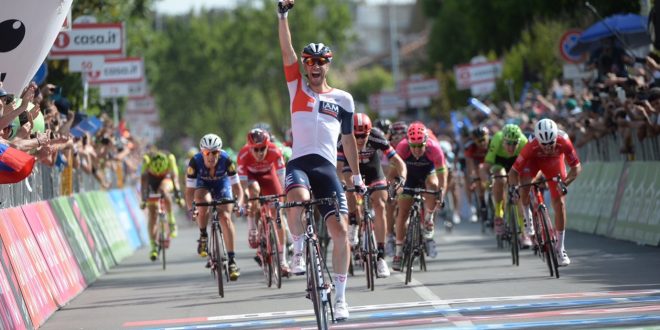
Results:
x,y
311,61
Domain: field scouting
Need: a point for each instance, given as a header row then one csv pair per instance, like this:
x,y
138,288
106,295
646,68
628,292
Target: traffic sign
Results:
x,y
118,70
477,74
86,63
566,42
420,88
89,39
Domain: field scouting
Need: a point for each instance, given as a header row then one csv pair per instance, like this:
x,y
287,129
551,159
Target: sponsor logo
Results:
x,y
190,171
328,108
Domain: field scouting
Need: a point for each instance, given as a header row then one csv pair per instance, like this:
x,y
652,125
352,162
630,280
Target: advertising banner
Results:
x,y
11,315
59,258
29,265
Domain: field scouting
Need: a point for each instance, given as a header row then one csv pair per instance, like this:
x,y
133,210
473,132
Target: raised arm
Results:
x,y
288,53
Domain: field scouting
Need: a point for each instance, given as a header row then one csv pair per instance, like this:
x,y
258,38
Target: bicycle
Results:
x,y
269,243
413,246
218,259
162,229
367,251
318,288
511,228
545,238
481,207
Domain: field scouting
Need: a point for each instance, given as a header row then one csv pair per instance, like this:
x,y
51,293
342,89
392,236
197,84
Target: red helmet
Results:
x,y
361,123
417,133
257,137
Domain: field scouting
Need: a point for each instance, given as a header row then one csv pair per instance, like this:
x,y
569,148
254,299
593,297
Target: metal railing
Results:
x,y
612,147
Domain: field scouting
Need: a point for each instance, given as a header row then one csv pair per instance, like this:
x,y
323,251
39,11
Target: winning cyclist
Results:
x,y
369,142
211,175
261,170
319,114
546,153
159,175
504,147
425,163
475,153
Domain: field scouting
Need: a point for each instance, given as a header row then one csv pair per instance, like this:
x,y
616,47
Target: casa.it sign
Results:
x,y
118,70
89,39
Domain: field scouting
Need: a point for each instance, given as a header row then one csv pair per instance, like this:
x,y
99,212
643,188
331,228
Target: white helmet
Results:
x,y
546,131
210,142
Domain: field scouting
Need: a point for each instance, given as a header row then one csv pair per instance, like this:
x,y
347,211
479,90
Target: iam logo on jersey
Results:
x,y
329,109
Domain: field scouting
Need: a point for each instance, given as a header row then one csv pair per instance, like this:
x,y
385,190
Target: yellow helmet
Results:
x,y
159,164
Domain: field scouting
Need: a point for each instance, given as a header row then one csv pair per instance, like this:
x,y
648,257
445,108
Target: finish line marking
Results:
x,y
437,302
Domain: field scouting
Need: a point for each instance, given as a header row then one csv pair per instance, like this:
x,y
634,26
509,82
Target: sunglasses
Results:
x,y
547,144
360,136
512,142
417,145
311,61
262,149
209,152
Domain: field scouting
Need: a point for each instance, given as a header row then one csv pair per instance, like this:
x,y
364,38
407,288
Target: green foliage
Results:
x,y
370,81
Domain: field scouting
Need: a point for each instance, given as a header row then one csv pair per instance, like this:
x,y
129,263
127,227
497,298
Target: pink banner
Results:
x,y
10,314
29,265
83,225
56,251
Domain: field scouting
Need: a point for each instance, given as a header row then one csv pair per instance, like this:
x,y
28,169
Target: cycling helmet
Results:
x,y
398,128
417,133
317,50
546,131
159,163
257,138
210,142
383,125
361,123
511,132
480,132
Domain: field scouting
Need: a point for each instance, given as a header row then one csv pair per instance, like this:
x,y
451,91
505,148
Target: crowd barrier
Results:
x,y
50,251
617,199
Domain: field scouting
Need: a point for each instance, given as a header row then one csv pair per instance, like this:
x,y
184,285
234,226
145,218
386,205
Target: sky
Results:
x,y
174,7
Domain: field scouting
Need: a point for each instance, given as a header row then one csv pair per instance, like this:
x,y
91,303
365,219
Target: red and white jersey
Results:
x,y
247,164
317,119
533,152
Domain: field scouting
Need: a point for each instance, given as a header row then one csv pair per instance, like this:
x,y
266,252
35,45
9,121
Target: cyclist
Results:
x,y
261,171
211,175
426,167
319,113
546,153
369,142
159,175
397,132
504,147
475,153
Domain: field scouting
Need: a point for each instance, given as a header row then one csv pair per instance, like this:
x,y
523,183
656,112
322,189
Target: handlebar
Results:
x,y
310,202
369,189
266,198
214,202
562,185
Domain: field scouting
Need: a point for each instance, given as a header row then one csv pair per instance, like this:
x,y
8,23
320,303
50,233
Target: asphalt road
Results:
x,y
470,284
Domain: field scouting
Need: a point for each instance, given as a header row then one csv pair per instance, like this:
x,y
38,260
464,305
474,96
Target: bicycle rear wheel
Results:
x,y
314,282
546,247
274,254
217,264
368,254
513,232
162,244
264,253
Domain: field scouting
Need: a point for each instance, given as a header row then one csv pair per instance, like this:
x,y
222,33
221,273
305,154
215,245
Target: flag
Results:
x,y
15,165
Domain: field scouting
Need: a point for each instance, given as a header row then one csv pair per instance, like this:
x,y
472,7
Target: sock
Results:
x,y
170,217
231,256
499,209
298,243
399,249
153,244
381,251
560,239
340,287
203,233
528,218
428,216
283,254
352,218
251,224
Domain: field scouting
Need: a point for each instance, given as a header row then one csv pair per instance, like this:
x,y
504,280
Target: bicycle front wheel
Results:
x,y
368,254
274,254
217,264
513,232
412,238
162,242
549,237
314,283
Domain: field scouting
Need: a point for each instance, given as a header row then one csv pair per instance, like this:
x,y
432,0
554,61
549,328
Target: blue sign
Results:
x,y
42,73
89,125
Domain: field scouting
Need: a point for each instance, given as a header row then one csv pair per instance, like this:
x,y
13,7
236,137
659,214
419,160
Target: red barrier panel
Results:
x,y
29,265
11,316
61,262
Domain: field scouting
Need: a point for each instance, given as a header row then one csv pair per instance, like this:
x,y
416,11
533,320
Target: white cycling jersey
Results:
x,y
317,119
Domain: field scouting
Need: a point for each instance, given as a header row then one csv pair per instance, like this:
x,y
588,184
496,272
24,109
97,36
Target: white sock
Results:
x,y
560,238
251,224
528,218
399,250
298,243
428,215
340,287
283,254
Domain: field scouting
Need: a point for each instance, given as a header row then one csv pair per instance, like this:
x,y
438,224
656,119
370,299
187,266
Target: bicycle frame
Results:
x,y
544,236
413,245
319,290
269,245
162,234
